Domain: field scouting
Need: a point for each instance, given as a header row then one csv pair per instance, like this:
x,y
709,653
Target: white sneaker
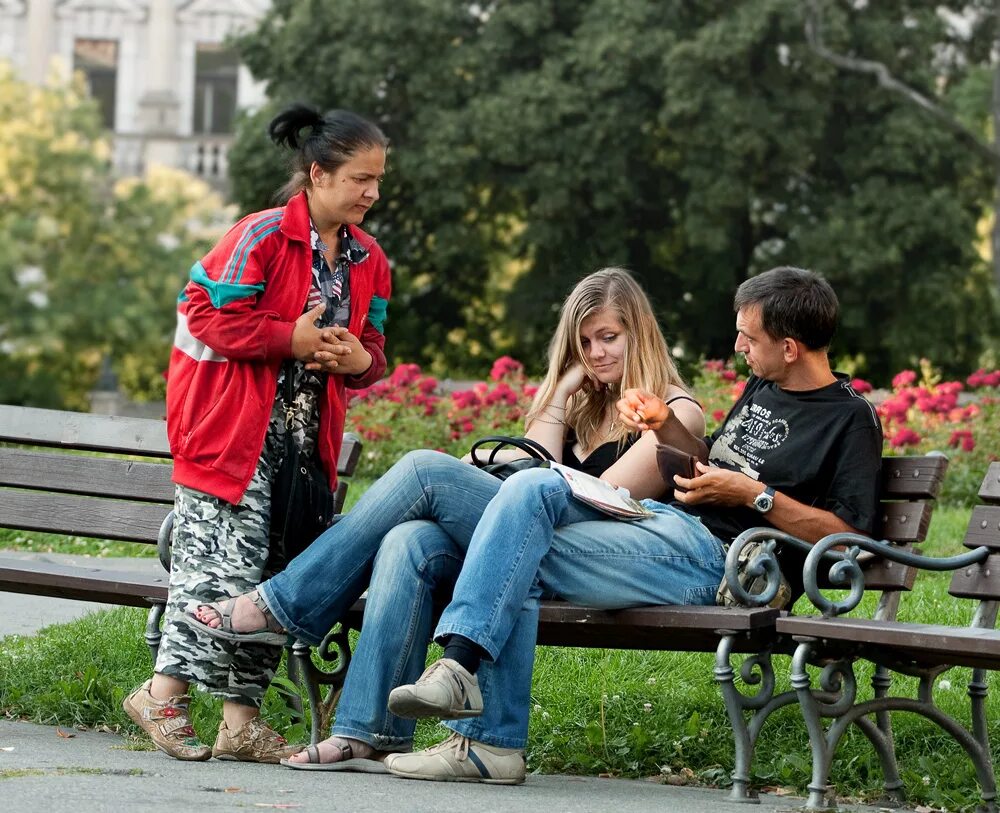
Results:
x,y
459,759
445,690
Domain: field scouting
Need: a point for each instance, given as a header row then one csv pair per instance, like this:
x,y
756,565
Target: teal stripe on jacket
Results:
x,y
253,236
377,312
222,293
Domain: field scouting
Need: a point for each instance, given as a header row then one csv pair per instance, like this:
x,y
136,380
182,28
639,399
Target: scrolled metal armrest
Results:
x,y
766,564
846,571
163,540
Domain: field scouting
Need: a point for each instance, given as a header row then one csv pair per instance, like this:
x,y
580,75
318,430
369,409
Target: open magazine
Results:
x,y
601,495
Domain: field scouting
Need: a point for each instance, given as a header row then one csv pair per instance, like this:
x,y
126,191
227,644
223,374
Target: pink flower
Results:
x,y
861,386
427,385
903,379
505,366
714,365
718,415
905,437
963,438
728,375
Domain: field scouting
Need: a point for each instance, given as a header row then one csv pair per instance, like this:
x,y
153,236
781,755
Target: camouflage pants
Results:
x,y
220,550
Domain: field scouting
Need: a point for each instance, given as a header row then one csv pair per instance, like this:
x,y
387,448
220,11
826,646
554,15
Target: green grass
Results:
x,y
593,711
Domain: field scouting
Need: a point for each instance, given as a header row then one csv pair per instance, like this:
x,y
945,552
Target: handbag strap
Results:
x,y
530,447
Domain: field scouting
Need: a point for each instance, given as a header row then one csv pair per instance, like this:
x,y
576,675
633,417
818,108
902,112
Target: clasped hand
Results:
x,y
329,349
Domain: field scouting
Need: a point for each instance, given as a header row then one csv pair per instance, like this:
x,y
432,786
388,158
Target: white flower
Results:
x,y
537,707
945,685
545,715
647,707
651,681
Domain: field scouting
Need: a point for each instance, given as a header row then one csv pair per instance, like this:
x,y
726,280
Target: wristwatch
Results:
x,y
764,501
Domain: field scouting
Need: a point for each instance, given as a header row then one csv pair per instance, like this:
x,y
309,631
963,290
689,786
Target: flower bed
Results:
x,y
922,413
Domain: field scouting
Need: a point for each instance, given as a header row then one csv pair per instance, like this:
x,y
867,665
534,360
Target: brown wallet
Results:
x,y
671,461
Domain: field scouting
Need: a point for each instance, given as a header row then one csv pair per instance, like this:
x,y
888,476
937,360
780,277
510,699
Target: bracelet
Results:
x,y
551,423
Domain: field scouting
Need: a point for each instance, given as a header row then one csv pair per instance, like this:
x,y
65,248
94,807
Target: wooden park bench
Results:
x,y
95,476
924,651
87,481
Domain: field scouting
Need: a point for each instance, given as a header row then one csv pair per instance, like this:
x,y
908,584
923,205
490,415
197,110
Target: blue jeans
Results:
x,y
519,538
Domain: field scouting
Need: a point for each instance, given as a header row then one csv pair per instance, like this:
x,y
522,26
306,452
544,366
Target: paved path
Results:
x,y
92,772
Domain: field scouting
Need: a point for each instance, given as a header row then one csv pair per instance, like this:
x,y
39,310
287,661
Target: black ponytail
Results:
x,y
333,139
285,127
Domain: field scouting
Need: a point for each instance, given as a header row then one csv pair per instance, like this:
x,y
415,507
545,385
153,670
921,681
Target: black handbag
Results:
x,y
302,505
538,455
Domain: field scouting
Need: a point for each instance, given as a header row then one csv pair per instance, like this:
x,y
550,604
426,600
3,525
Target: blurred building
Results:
x,y
166,83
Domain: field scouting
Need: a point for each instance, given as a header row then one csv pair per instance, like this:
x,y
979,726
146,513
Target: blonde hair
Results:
x,y
647,362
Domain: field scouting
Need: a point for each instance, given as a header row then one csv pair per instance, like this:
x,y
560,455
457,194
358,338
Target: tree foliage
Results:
x,y
89,269
697,143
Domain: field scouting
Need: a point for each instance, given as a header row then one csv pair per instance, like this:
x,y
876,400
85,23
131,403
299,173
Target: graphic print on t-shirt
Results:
x,y
747,433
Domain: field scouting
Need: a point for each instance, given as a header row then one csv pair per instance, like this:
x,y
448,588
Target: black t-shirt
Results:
x,y
821,447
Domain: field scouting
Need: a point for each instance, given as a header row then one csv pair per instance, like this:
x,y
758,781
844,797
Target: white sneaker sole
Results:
x,y
404,704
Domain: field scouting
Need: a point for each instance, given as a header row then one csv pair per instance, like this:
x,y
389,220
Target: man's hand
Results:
x,y
715,486
343,354
307,339
640,410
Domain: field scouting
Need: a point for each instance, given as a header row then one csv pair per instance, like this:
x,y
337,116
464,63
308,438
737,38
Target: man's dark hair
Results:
x,y
794,303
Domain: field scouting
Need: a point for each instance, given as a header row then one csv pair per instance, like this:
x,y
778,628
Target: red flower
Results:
x,y
963,438
728,375
505,366
903,379
718,415
714,365
905,437
861,386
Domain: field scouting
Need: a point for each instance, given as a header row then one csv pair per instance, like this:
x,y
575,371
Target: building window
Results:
x,y
215,73
98,61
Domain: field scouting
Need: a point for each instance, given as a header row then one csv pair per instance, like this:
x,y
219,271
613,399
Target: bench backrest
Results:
x,y
982,581
910,486
69,491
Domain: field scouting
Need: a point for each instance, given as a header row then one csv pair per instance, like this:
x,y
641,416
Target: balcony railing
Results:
x,y
204,156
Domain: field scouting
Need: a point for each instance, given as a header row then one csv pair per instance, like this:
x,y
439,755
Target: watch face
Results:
x,y
763,502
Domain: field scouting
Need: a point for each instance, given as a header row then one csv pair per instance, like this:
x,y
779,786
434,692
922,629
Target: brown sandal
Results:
x,y
271,634
347,761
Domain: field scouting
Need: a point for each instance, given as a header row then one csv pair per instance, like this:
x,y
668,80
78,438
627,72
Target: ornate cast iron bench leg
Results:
x,y
336,647
845,711
755,669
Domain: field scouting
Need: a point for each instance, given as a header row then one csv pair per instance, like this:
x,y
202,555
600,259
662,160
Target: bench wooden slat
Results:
x,y
82,583
885,575
913,478
690,629
984,528
990,489
92,476
881,641
113,434
904,522
81,516
76,430
978,581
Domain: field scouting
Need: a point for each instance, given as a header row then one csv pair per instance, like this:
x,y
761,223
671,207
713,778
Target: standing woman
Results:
x,y
300,282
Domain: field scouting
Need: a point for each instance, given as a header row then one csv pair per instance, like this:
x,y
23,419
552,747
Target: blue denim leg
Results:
x,y
506,686
669,558
416,559
322,583
502,561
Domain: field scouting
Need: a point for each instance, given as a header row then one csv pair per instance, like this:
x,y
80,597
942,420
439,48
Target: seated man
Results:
x,y
799,450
